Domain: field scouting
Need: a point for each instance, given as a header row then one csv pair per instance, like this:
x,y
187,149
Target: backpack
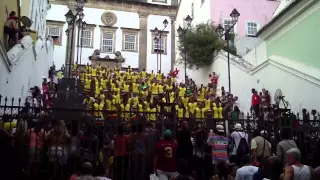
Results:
x,y
243,147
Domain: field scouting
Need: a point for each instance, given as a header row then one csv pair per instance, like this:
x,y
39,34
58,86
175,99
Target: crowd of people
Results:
x,y
43,147
109,89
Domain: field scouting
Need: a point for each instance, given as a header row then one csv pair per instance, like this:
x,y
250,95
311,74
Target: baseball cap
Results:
x,y
167,133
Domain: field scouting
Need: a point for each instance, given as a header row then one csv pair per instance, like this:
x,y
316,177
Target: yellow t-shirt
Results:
x,y
154,88
192,107
152,114
207,103
185,101
135,87
182,91
215,112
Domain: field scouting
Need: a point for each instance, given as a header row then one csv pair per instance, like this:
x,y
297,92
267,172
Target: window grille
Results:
x,y
86,38
107,42
130,42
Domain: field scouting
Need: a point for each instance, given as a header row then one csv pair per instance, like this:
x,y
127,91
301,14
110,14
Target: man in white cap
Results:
x,y
240,145
219,142
260,146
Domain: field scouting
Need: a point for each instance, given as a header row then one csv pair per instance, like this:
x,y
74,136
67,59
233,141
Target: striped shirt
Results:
x,y
219,147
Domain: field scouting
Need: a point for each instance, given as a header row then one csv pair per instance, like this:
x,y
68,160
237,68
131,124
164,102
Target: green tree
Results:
x,y
199,45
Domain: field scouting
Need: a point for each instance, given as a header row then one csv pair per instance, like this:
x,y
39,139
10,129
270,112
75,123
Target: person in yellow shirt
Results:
x,y
94,72
152,114
154,88
98,107
207,102
182,91
88,101
201,112
159,76
220,111
135,87
144,73
192,106
180,111
185,100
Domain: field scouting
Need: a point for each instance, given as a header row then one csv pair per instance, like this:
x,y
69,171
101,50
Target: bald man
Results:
x,y
316,174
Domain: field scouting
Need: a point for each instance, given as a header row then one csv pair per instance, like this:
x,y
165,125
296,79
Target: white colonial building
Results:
x,y
126,26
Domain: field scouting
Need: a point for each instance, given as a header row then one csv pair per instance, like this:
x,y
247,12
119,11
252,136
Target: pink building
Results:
x,y
254,14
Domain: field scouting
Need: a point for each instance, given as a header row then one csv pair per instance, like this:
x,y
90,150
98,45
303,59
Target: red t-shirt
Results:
x,y
214,80
121,144
255,99
166,151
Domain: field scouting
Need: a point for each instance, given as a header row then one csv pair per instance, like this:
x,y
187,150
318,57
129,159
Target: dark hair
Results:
x,y
140,128
100,170
223,169
12,13
183,167
285,133
120,130
246,159
86,169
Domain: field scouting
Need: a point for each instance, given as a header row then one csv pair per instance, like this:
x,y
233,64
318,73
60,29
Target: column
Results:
x,y
71,43
173,41
143,40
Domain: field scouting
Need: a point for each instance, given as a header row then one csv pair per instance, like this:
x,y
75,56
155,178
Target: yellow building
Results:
x,y
6,6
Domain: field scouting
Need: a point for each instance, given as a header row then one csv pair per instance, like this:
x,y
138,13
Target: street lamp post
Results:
x,y
159,40
83,27
219,30
72,20
183,32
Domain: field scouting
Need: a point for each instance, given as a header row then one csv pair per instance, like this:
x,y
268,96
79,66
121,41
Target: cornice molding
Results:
x,y
297,69
288,20
144,9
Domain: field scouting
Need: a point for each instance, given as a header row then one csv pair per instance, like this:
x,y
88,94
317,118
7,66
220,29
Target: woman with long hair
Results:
x,y
58,140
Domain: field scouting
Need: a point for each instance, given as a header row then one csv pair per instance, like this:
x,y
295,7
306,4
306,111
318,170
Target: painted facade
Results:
x,y
286,59
259,12
128,25
297,39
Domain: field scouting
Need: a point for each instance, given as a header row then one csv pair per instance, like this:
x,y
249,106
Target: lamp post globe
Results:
x,y
219,30
180,31
84,25
69,16
156,31
188,20
165,23
234,15
79,22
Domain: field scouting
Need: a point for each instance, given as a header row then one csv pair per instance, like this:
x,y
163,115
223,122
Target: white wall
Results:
x,y
297,87
257,55
125,20
37,14
28,67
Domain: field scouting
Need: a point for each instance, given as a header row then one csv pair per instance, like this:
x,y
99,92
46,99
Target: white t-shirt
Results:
x,y
236,136
246,172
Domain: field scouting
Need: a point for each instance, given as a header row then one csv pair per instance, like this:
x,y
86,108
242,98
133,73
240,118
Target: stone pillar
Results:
x,y
71,43
143,40
173,41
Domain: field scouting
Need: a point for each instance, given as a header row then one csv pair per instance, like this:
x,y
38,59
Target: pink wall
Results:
x,y
250,10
